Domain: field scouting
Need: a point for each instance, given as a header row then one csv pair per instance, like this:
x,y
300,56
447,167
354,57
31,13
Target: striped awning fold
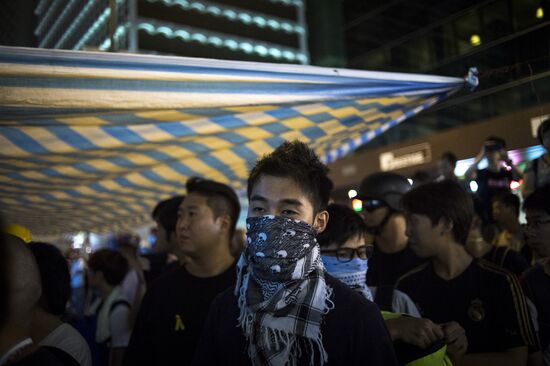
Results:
x,y
91,141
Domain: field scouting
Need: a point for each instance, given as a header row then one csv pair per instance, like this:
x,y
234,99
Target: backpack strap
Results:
x,y
384,297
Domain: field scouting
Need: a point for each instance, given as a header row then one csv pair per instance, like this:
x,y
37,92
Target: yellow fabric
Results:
x,y
439,357
19,231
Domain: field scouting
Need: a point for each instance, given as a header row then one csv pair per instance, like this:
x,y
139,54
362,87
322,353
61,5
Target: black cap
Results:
x,y
384,186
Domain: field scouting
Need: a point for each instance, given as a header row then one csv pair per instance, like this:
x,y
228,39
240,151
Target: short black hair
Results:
x,y
221,198
498,140
508,199
166,213
343,224
450,157
55,277
442,200
421,177
538,200
111,263
297,161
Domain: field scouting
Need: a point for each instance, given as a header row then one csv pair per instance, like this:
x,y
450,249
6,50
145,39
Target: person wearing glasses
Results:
x,y
379,194
285,310
346,249
536,280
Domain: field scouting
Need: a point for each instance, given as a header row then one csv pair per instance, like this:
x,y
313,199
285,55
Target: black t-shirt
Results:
x,y
385,269
490,184
507,258
353,332
486,300
171,317
537,283
158,265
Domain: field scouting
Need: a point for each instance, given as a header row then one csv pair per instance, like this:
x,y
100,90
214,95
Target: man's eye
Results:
x,y
289,212
257,209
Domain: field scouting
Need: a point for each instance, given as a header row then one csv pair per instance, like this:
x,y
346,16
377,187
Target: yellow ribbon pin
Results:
x,y
179,323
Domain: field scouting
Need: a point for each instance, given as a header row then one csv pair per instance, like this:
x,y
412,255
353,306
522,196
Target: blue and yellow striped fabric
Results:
x,y
91,141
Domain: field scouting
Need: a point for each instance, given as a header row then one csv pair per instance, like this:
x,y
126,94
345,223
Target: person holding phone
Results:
x,y
498,175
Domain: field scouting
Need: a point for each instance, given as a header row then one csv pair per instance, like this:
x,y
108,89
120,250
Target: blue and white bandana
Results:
x,y
352,273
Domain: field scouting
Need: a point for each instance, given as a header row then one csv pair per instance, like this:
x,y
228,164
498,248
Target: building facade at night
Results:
x,y
267,30
507,40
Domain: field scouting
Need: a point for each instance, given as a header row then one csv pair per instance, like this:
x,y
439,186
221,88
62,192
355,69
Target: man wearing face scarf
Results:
x,y
285,309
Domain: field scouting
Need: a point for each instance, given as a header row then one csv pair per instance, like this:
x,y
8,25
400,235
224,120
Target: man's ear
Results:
x,y
320,221
225,222
445,225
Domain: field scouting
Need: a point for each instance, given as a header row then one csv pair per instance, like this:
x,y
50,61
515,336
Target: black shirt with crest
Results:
x,y
486,300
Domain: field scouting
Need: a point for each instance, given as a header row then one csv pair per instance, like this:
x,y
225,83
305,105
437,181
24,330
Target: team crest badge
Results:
x,y
476,312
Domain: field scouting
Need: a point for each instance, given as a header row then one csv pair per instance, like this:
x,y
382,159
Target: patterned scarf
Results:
x,y
352,273
282,292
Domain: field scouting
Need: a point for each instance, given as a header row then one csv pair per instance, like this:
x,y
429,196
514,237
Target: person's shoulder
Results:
x,y
413,274
47,355
68,339
491,275
491,269
533,272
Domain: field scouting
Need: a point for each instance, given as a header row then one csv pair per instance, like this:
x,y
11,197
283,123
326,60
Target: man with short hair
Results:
x,y
175,307
537,171
537,279
47,327
285,309
505,209
480,307
498,175
21,293
106,271
166,255
447,165
392,257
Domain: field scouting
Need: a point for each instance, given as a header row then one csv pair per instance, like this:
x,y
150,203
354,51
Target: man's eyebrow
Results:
x,y
292,201
288,201
187,208
257,197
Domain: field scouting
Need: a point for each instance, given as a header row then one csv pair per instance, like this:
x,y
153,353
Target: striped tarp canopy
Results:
x,y
92,141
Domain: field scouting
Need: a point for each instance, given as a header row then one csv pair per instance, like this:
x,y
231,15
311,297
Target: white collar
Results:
x,y
15,350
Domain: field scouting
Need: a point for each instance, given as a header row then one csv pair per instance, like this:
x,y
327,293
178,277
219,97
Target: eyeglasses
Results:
x,y
367,205
347,254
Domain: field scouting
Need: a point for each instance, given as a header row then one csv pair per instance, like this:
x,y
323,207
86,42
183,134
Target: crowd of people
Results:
x,y
423,274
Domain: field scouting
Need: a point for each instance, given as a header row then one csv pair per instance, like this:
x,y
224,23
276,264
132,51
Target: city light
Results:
x,y
192,34
352,193
475,40
473,186
515,185
357,205
540,12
